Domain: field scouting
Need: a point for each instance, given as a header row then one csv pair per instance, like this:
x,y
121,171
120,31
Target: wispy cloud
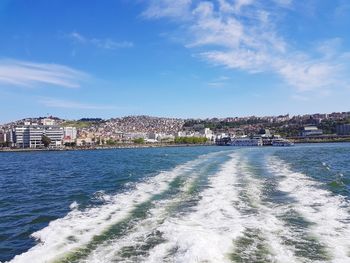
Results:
x,y
219,82
168,8
28,74
244,35
68,104
100,43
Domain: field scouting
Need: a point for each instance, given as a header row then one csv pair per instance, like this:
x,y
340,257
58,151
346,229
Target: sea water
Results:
x,y
186,204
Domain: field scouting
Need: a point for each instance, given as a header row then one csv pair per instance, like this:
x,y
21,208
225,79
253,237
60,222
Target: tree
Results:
x,y
190,140
139,140
111,142
45,140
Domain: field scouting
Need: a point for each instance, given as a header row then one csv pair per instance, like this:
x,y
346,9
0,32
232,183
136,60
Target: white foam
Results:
x,y
329,213
137,236
74,205
82,226
266,220
207,234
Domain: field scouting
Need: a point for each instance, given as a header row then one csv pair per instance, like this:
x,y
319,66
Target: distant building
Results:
x,y
55,133
311,131
208,133
85,142
343,129
69,134
152,136
2,136
48,122
9,137
31,136
134,135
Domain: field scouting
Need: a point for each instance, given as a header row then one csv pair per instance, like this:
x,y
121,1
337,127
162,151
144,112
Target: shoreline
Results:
x,y
319,140
141,146
134,146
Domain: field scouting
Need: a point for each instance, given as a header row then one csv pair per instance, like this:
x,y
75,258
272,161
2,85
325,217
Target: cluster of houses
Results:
x,y
30,134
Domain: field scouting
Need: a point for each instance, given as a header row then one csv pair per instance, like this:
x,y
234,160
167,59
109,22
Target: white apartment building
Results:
x,y
70,134
55,134
31,136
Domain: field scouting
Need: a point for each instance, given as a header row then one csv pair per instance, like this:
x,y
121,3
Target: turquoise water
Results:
x,y
191,204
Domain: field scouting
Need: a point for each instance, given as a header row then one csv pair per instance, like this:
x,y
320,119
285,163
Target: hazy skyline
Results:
x,y
183,58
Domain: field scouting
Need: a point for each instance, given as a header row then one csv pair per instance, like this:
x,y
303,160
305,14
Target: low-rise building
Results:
x,y
55,133
31,136
208,133
311,131
343,129
85,142
48,122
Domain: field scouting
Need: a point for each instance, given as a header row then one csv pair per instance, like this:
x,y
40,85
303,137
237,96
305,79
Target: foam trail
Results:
x,y
78,228
206,234
210,232
329,214
142,234
145,234
262,217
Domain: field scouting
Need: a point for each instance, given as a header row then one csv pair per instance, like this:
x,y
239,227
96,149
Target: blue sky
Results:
x,y
181,58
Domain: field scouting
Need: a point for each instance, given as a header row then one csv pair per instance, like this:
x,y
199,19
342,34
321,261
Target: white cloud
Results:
x,y
309,75
244,35
168,8
100,43
67,104
329,48
28,74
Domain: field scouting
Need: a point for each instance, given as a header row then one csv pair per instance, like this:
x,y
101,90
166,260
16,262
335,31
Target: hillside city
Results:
x,y
53,132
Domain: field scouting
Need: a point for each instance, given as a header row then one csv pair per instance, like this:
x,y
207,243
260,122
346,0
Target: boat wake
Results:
x,y
327,214
222,207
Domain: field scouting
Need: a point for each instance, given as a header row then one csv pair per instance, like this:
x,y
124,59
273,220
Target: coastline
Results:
x,y
320,140
140,146
124,146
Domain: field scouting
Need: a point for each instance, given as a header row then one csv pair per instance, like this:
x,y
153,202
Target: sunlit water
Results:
x,y
189,204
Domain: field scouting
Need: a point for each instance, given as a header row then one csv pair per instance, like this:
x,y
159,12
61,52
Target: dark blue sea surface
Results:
x,y
177,204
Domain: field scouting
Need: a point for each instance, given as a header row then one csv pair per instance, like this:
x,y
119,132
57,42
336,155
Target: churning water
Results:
x,y
194,204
